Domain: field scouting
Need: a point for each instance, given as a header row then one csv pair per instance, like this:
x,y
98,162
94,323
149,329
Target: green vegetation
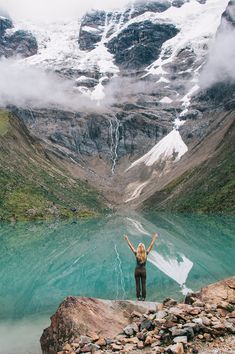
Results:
x,y
4,122
33,186
207,188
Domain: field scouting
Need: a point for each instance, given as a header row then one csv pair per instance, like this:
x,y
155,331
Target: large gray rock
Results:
x,y
91,29
20,42
139,44
5,23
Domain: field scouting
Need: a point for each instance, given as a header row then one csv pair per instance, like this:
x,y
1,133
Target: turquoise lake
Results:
x,y
41,263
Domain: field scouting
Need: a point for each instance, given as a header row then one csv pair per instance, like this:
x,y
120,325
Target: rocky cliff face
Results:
x,y
140,68
15,42
36,185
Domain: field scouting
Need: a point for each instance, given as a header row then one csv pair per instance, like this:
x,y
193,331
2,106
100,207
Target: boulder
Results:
x,y
77,317
20,42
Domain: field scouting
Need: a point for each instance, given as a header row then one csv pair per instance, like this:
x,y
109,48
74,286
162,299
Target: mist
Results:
x,y
220,63
26,86
52,10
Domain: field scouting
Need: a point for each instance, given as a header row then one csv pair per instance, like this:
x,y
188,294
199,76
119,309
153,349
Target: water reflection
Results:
x,y
41,263
177,268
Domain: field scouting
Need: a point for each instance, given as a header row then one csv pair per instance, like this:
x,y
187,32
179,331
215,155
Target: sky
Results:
x,y
55,9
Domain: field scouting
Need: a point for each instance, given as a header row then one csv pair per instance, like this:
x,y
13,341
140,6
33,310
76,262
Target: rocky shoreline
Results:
x,y
204,323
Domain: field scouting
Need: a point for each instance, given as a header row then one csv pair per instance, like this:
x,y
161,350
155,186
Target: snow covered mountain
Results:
x,y
141,71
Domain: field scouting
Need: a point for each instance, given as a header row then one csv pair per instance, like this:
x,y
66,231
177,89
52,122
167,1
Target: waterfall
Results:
x,y
115,135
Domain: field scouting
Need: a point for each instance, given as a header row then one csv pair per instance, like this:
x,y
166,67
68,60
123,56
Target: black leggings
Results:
x,y
140,275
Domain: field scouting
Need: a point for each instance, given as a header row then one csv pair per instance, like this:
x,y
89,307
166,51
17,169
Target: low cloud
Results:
x,y
55,9
121,90
220,64
26,86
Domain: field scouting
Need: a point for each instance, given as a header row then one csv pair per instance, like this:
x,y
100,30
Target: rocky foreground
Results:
x,y
204,323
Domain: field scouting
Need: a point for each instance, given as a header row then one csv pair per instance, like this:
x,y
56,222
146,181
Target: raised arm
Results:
x,y
129,243
152,242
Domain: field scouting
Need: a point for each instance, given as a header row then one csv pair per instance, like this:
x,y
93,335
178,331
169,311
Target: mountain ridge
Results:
x,y
138,71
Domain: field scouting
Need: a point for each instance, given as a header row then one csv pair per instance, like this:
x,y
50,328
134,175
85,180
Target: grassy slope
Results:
x,y
207,188
33,186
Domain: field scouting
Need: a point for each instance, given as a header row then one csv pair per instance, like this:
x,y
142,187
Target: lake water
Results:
x,y
41,263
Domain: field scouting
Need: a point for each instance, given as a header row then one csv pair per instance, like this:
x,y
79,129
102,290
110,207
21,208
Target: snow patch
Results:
x,y
90,29
170,147
138,187
197,24
166,100
163,79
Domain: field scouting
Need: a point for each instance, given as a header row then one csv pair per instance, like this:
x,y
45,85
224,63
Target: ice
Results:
x,y
57,44
197,24
170,147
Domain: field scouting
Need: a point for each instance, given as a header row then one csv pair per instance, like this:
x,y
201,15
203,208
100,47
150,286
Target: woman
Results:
x,y
140,270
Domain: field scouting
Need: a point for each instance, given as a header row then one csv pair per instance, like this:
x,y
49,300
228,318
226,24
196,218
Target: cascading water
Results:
x,y
115,136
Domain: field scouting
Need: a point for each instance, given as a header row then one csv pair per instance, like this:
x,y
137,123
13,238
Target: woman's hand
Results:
x,y
155,236
126,237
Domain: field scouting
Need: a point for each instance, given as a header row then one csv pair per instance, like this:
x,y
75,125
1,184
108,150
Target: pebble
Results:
x,y
148,340
84,340
146,324
101,342
199,303
140,345
169,302
181,339
89,348
207,336
198,320
195,311
136,314
131,329
116,347
67,347
175,349
205,321
129,347
161,314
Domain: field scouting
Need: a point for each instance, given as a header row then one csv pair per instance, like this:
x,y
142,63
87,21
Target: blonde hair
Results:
x,y
141,253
